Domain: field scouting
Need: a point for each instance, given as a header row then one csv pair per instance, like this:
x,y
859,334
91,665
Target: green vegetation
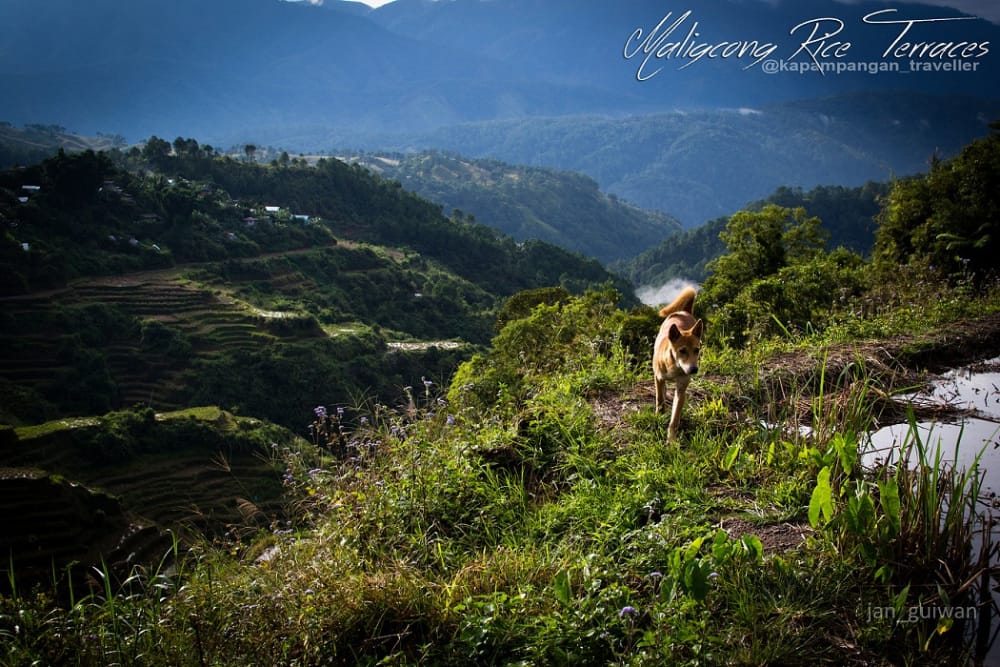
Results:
x,y
776,276
537,517
847,216
304,275
562,208
530,512
947,221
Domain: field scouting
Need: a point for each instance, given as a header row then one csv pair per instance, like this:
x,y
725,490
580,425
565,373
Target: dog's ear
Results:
x,y
698,329
674,332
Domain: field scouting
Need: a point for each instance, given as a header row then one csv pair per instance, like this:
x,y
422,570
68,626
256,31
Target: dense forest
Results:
x,y
196,205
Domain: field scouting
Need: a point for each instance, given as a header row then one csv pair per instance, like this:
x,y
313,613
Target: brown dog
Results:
x,y
675,354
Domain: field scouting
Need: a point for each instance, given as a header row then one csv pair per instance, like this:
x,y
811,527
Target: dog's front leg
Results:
x,y
675,414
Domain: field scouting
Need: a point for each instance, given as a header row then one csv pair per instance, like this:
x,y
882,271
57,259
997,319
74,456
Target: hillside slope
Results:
x,y
562,208
188,285
81,493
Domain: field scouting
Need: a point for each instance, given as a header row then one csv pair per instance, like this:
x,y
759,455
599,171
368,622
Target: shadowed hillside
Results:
x,y
562,208
82,490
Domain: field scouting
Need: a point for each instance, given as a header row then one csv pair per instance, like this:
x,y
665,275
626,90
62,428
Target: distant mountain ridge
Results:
x,y
233,70
701,164
540,84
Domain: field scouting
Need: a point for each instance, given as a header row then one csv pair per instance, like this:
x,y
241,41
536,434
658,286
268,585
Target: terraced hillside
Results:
x,y
240,334
133,340
79,490
68,525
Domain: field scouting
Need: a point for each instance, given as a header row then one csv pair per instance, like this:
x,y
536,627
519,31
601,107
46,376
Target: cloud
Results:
x,y
664,294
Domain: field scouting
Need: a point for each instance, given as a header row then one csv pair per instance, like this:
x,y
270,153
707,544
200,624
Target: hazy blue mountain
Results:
x,y
698,165
223,70
523,81
297,74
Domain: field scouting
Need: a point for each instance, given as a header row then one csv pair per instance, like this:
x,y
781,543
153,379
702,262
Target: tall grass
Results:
x,y
912,524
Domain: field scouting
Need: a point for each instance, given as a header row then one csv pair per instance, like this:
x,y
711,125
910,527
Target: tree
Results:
x,y
156,151
776,276
188,147
759,245
76,178
947,220
251,152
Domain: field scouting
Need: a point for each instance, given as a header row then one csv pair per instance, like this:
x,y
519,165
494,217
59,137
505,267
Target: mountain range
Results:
x,y
544,84
233,70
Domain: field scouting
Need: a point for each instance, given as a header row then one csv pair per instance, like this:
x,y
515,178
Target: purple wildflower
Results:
x,y
627,610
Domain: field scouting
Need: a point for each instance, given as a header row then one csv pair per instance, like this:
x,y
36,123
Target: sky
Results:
x,y
988,9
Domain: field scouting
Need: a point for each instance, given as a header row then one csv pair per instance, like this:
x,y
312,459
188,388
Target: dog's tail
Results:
x,y
683,303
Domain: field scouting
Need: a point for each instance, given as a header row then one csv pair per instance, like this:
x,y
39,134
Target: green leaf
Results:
x,y
847,449
563,588
753,546
731,455
822,499
722,547
888,491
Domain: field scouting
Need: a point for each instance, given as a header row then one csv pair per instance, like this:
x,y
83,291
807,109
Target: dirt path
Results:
x,y
903,361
